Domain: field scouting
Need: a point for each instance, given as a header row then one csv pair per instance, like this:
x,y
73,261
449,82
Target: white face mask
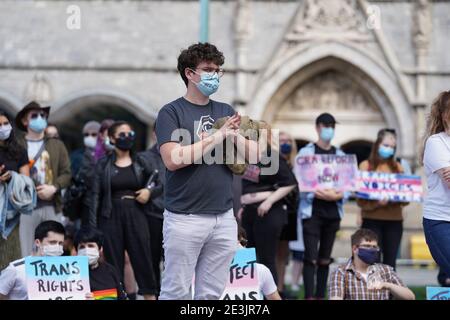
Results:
x,y
90,142
5,132
92,253
52,250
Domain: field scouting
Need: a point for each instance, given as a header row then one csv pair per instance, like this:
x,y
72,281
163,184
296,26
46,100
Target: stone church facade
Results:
x,y
372,63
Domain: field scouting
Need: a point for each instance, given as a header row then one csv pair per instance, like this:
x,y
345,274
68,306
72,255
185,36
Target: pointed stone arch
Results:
x,y
277,83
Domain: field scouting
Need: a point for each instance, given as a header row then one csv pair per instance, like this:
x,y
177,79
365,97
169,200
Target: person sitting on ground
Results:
x,y
266,282
104,279
361,278
48,241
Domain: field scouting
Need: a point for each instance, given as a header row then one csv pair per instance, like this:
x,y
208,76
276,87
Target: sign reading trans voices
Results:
x,y
57,278
326,171
395,187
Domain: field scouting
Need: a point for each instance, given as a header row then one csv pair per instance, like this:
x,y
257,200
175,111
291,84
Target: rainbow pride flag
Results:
x,y
109,294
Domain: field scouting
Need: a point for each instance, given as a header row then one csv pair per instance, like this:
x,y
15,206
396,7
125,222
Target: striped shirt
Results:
x,y
347,283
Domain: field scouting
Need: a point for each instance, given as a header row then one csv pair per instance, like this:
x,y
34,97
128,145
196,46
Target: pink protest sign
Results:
x,y
395,187
326,171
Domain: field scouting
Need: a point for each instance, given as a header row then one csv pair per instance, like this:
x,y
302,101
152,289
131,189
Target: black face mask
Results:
x,y
124,143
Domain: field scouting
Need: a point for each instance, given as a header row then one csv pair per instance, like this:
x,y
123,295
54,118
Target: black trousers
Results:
x,y
263,233
389,237
155,226
319,235
127,229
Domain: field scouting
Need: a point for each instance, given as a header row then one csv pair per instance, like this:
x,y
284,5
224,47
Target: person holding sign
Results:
x,y
362,278
436,161
266,283
104,279
48,241
321,212
384,217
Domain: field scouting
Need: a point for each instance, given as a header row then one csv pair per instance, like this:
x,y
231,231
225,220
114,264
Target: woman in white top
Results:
x,y
436,161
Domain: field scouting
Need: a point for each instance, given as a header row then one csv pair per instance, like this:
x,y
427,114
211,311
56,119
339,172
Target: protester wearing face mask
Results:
x,y
290,232
103,146
48,242
120,191
362,278
198,196
384,217
104,280
13,157
321,212
49,168
83,165
90,135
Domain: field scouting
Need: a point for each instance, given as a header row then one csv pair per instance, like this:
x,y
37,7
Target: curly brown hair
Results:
x,y
196,54
436,120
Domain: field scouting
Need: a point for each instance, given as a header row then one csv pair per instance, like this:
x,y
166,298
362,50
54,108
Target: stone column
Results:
x,y
422,26
242,30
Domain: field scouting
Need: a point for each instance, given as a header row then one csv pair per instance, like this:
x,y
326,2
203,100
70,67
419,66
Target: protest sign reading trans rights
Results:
x,y
57,278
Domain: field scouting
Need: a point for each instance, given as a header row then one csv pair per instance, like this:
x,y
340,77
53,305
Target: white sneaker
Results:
x,y
295,287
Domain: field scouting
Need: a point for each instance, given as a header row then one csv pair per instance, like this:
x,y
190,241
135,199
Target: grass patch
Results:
x,y
420,292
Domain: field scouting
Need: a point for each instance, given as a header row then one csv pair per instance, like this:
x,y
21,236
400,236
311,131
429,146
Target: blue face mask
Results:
x,y
209,83
326,134
385,152
286,148
38,124
368,256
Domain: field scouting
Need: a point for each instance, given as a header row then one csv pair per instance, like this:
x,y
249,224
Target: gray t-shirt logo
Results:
x,y
204,125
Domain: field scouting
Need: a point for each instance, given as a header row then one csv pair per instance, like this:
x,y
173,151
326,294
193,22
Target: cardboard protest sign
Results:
x,y
57,278
326,171
243,281
438,293
395,187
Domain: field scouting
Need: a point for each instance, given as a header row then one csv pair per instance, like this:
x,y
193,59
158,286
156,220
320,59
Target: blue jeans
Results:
x,y
437,234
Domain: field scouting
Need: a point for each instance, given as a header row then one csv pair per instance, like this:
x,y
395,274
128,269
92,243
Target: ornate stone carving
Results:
x,y
329,18
330,91
422,24
39,89
242,20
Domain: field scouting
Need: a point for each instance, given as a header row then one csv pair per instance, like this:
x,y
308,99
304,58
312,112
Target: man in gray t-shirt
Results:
x,y
199,226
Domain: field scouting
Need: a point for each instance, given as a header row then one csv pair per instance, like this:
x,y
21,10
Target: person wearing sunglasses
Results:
x,y
49,166
384,217
119,194
362,277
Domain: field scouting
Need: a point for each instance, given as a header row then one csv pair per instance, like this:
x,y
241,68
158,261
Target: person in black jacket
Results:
x,y
119,194
155,209
264,211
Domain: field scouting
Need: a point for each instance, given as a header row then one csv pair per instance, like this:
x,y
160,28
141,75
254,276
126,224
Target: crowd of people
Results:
x,y
128,211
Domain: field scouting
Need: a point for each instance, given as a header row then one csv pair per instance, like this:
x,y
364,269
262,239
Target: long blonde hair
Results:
x,y
440,110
